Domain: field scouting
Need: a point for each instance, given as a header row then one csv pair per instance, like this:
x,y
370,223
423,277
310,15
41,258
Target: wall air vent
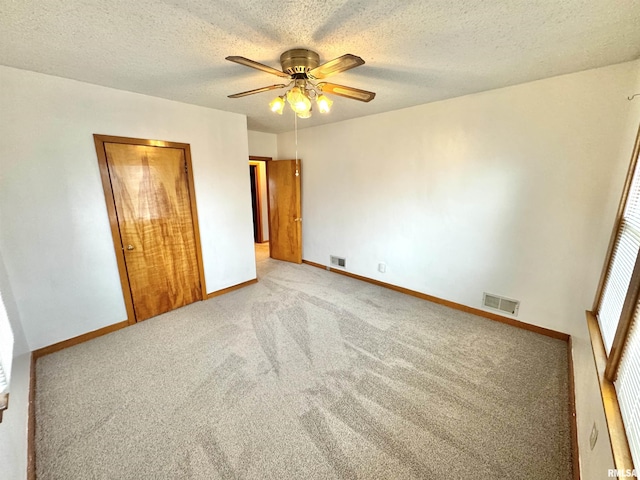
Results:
x,y
496,302
338,262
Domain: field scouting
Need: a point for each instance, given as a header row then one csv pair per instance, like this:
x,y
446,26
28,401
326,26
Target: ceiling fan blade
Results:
x,y
349,92
257,90
258,66
337,65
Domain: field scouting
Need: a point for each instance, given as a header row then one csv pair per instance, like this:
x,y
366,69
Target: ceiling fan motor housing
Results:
x,y
299,61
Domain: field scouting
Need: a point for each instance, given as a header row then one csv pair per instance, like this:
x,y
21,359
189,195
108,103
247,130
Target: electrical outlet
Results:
x,y
382,267
593,438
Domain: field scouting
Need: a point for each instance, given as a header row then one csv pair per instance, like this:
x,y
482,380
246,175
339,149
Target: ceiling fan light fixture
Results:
x,y
302,68
306,114
299,102
324,103
277,105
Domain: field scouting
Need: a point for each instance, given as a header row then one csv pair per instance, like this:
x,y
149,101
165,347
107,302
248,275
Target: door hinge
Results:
x,y
186,168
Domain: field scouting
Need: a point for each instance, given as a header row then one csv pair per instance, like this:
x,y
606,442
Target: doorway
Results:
x,y
254,177
259,203
280,221
149,192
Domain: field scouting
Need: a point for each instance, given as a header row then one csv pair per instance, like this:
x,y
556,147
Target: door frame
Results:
x,y
253,160
99,141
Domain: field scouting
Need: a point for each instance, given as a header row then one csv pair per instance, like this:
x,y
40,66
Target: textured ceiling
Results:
x,y
415,51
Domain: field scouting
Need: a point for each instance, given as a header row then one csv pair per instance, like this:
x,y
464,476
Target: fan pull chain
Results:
x,y
295,120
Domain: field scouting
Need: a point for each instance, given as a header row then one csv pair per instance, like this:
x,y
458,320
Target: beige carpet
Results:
x,y
306,375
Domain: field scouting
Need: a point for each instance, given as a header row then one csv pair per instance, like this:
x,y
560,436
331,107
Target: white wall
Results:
x,y
590,408
507,191
13,429
55,231
263,145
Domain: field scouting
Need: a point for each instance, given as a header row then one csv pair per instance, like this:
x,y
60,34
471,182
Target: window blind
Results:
x,y
4,383
628,388
622,262
6,348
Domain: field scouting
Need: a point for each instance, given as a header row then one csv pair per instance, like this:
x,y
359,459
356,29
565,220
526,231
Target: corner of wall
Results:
x,y
594,462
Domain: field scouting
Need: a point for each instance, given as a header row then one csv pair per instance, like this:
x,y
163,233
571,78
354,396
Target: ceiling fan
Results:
x,y
302,68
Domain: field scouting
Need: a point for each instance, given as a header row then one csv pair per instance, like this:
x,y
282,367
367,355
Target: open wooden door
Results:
x,y
285,210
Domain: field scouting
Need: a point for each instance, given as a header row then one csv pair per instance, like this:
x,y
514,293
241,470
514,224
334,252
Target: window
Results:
x,y
628,388
6,356
4,382
615,328
6,349
621,266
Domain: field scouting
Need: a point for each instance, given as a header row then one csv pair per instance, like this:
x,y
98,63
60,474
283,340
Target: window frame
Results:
x,y
607,366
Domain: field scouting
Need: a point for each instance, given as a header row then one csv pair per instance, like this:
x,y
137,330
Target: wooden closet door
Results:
x,y
151,195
